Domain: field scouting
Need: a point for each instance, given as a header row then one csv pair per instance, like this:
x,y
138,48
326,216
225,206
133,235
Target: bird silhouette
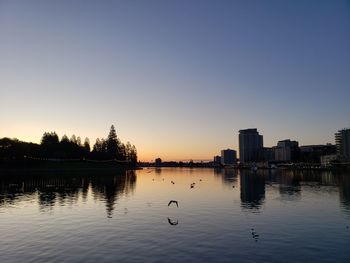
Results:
x,y
255,236
173,201
173,223
172,182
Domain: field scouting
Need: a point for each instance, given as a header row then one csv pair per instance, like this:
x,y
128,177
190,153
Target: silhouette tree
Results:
x,y
87,144
133,155
122,152
64,139
113,144
79,141
73,139
52,147
49,145
49,138
97,146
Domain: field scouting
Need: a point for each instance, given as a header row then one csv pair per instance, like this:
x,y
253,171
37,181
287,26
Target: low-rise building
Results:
x,y
217,159
158,162
328,159
228,157
286,151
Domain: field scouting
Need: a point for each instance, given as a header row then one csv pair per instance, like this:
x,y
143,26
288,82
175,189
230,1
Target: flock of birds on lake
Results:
x,y
254,234
172,222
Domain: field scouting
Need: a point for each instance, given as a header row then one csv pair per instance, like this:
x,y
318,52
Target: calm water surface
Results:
x,y
270,216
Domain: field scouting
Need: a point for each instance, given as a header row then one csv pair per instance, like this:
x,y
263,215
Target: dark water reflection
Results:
x,y
227,216
253,184
66,189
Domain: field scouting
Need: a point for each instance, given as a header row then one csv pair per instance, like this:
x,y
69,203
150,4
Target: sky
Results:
x,y
178,79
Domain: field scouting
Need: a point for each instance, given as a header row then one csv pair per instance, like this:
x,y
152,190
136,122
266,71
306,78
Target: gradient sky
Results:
x,y
177,78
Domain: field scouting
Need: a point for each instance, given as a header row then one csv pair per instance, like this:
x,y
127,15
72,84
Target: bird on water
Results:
x,y
173,201
173,223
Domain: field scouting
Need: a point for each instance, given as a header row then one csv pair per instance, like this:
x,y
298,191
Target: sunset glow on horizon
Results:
x,y
178,79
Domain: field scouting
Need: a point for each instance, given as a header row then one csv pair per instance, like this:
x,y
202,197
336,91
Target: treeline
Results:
x,y
51,147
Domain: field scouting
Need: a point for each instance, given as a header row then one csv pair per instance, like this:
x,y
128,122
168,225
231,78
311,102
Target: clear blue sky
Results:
x,y
177,78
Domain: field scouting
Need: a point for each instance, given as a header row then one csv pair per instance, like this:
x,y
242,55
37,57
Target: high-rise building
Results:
x,y
228,157
342,141
250,145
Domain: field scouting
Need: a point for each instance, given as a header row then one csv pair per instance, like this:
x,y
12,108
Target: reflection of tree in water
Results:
x,y
65,189
109,188
252,189
52,189
10,191
47,200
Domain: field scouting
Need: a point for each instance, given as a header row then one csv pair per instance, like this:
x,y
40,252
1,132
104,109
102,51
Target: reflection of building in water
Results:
x,y
289,183
344,192
229,173
218,171
252,189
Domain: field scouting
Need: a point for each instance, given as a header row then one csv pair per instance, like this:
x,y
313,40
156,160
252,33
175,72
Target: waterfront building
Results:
x,y
228,157
328,159
287,151
268,154
250,145
217,159
313,153
342,141
158,162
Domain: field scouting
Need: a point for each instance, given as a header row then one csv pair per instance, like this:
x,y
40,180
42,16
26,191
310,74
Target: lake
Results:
x,y
226,216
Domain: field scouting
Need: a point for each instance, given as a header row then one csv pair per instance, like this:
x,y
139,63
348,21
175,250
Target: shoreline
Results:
x,y
64,166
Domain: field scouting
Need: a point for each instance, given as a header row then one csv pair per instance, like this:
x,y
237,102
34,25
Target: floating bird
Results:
x,y
173,223
192,185
173,201
254,235
233,186
172,182
200,180
347,227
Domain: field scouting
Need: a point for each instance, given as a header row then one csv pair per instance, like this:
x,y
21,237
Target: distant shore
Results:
x,y
64,165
